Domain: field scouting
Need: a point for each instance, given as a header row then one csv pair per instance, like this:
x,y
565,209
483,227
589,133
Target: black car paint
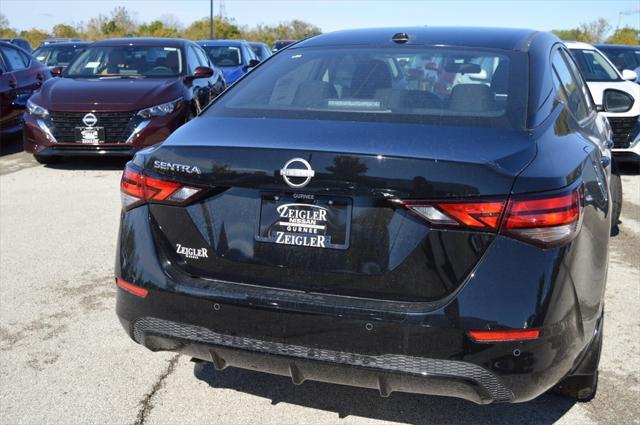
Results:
x,y
511,285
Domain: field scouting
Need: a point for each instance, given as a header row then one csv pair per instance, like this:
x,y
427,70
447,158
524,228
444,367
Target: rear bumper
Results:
x,y
389,345
386,373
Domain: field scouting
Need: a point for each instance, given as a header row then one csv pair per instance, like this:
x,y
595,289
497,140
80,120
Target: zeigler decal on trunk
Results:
x,y
302,224
193,253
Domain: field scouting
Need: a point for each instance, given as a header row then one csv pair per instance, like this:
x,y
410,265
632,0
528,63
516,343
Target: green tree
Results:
x,y
119,24
588,32
35,36
5,30
225,28
626,35
293,30
156,29
66,31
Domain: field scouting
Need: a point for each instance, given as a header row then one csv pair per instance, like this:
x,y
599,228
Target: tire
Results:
x,y
582,383
616,195
46,159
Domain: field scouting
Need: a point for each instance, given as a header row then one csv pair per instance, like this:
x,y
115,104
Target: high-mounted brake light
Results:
x,y
137,188
546,220
504,335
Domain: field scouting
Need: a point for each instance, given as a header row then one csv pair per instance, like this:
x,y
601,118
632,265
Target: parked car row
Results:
x,y
371,209
616,94
115,96
357,208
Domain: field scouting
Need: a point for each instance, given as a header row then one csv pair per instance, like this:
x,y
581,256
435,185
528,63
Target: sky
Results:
x,y
331,15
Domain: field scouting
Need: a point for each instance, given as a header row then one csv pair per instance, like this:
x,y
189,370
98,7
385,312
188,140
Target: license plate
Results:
x,y
89,135
305,220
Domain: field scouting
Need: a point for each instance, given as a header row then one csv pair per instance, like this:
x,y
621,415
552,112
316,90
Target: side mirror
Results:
x,y
200,72
616,101
629,75
251,64
56,71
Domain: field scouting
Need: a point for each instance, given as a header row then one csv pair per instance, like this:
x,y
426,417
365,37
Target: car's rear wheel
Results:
x,y
616,194
47,159
582,383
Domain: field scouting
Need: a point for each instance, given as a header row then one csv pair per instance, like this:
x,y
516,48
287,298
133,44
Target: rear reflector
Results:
x,y
135,290
546,220
504,335
137,188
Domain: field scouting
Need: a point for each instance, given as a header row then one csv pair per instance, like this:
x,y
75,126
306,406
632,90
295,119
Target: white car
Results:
x,y
614,93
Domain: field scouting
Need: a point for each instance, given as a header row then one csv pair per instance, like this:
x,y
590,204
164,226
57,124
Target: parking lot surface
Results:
x,y
65,359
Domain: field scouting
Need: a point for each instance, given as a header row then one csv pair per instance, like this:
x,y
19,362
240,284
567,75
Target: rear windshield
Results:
x,y
123,61
222,56
594,66
399,84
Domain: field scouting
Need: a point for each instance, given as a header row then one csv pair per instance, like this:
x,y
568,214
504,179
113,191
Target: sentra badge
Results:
x,y
193,253
181,168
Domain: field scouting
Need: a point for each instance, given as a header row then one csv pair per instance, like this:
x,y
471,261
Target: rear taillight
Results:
x,y
137,188
483,215
544,219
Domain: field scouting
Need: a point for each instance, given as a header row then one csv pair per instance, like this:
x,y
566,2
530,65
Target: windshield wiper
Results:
x,y
113,77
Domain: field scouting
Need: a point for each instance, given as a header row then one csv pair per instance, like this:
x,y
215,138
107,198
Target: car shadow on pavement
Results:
x,y
629,168
399,407
10,143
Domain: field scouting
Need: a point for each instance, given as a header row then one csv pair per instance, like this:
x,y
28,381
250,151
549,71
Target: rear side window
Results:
x,y
408,84
14,59
571,86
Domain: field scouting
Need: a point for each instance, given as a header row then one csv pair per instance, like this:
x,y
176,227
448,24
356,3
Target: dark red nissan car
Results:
x,y
20,75
118,96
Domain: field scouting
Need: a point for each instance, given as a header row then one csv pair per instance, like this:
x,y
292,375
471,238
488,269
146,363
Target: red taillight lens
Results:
x,y
547,220
484,215
129,287
504,335
137,188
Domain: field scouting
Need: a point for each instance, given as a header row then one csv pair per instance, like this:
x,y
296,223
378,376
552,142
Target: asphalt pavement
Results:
x,y
64,358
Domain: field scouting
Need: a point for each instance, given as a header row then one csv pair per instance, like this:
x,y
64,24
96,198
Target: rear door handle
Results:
x,y
13,84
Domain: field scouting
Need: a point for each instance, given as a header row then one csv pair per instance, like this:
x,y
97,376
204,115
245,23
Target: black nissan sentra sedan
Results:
x,y
423,210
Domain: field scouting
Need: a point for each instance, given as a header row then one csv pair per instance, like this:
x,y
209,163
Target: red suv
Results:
x,y
20,75
118,96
